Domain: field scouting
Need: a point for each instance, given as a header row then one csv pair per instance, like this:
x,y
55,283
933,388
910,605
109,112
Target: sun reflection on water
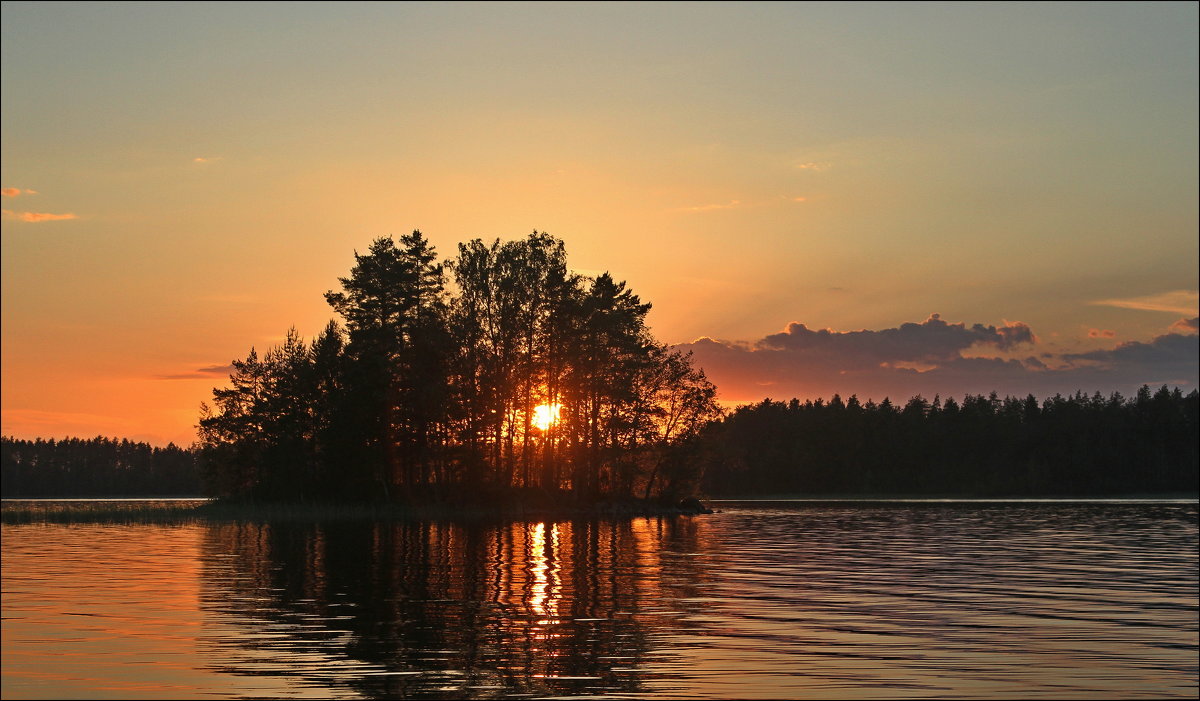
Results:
x,y
730,605
545,590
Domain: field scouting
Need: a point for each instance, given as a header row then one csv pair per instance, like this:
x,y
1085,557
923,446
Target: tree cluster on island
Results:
x,y
501,377
496,375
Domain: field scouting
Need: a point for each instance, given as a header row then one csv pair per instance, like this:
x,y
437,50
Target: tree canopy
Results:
x,y
497,371
501,374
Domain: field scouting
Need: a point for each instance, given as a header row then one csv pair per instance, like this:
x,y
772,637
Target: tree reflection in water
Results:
x,y
440,609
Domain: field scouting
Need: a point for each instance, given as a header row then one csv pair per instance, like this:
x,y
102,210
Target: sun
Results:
x,y
545,415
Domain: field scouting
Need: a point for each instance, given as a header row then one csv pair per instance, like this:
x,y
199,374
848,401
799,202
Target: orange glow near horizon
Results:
x,y
733,207
546,415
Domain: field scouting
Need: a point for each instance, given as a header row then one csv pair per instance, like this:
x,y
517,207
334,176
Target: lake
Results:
x,y
917,599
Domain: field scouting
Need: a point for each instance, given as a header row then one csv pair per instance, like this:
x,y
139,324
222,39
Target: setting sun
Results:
x,y
545,415
504,352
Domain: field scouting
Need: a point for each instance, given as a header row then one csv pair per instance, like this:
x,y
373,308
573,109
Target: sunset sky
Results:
x,y
880,199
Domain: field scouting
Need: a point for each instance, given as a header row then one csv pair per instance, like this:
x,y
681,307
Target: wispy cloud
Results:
x,y
814,166
1175,302
1186,326
205,373
35,217
206,159
732,204
1101,333
738,204
16,192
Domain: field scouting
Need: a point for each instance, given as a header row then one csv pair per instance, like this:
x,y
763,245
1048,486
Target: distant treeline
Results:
x,y
96,467
1078,445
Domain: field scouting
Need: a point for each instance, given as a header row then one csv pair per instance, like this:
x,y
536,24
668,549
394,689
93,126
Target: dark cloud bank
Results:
x,y
937,357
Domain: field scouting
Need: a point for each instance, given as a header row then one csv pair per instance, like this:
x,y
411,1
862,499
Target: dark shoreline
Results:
x,y
175,510
18,510
1146,496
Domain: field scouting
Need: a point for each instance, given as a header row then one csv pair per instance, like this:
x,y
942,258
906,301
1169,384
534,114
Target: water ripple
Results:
x,y
913,600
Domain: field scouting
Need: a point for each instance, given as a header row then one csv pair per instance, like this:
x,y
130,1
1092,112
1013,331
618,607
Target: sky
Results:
x,y
881,199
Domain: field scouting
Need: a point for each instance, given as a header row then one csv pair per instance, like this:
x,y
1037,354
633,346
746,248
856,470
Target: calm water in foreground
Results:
x,y
763,600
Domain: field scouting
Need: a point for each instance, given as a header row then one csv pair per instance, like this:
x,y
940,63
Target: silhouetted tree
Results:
x,y
432,394
396,377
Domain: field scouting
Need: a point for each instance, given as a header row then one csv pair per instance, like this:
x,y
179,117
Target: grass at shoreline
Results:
x,y
76,511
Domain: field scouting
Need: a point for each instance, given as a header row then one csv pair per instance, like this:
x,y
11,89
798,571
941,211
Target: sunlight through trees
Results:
x,y
498,370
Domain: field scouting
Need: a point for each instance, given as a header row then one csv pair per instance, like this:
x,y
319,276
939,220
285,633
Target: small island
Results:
x,y
501,384
498,381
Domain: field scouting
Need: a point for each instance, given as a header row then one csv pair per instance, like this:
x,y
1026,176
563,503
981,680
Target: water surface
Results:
x,y
762,600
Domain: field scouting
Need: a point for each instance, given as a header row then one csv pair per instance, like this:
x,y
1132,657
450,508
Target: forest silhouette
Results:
x,y
500,378
1078,445
96,467
438,384
982,446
